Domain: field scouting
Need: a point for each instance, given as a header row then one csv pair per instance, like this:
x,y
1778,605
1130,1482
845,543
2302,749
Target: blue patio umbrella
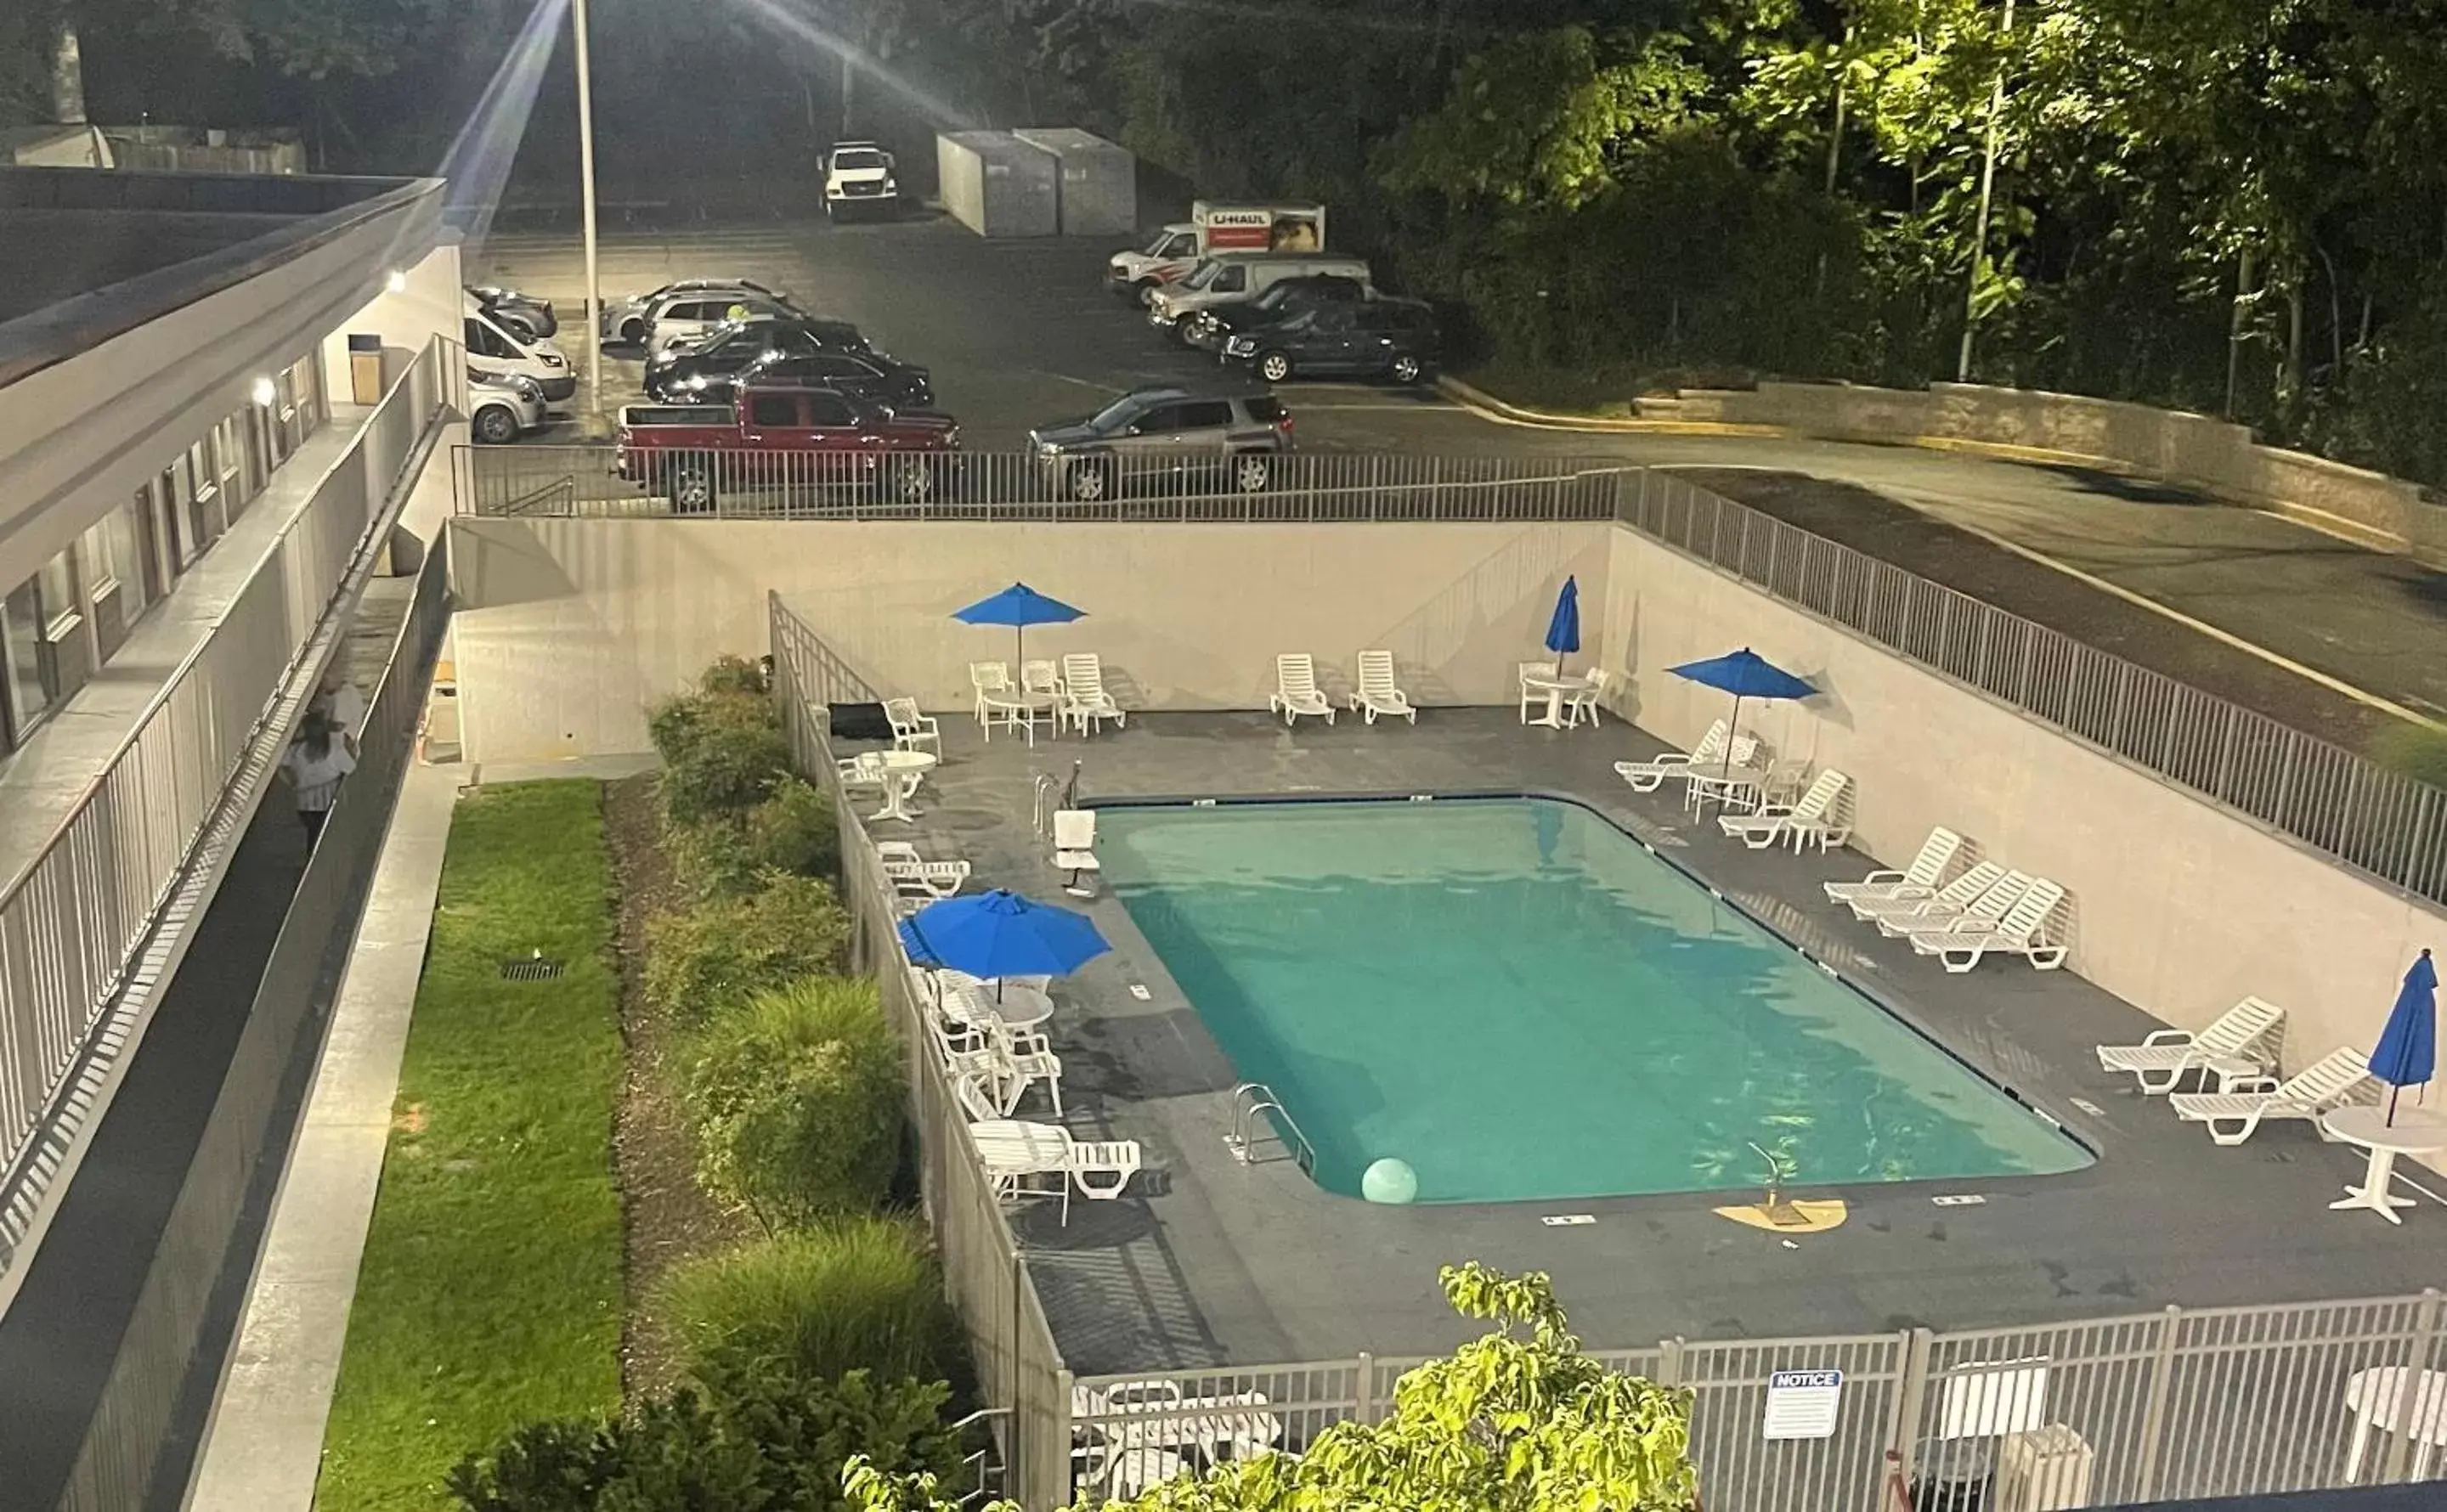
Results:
x,y
2408,1048
1744,674
1018,606
1000,933
1564,626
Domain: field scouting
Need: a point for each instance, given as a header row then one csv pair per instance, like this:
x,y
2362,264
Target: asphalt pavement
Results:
x,y
1018,334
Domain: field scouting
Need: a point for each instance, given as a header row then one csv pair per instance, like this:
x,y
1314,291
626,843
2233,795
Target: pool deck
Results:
x,y
1207,1262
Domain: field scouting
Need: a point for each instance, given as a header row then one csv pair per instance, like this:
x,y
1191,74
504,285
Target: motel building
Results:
x,y
223,402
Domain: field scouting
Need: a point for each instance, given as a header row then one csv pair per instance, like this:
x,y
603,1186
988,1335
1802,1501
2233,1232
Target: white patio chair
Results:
x,y
1100,1170
1533,700
860,772
2022,930
1041,679
1584,702
1808,818
1945,902
2227,1049
1936,917
2334,1079
1919,879
988,677
1737,776
1085,702
1074,848
912,731
1377,694
1024,1060
998,702
1648,776
1295,689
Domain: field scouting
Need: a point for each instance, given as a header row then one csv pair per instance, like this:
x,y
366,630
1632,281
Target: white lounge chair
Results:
x,y
1529,695
1943,903
2022,930
1583,705
2234,1114
1085,702
1648,776
1100,1169
1074,848
2227,1049
1295,689
1809,818
2001,896
1377,694
1919,879
926,879
912,731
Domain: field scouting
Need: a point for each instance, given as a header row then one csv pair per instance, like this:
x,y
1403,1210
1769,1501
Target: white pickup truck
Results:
x,y
860,176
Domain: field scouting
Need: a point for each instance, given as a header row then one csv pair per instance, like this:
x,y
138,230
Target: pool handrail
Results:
x,y
1249,1099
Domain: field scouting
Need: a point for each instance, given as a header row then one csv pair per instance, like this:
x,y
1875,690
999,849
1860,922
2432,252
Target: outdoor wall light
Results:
x,y
263,394
397,282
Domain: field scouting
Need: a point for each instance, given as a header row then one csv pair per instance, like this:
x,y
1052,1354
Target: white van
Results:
x,y
494,347
1235,276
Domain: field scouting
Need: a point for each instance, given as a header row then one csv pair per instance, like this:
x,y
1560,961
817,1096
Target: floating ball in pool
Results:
x,y
1389,1182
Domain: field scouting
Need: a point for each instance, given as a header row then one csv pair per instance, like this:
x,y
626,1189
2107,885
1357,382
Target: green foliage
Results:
x,y
716,952
729,674
1517,1421
711,860
856,1293
2416,750
795,830
796,1098
723,753
747,1438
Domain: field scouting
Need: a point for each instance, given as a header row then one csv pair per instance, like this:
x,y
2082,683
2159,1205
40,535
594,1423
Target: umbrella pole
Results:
x,y
1731,732
2393,1093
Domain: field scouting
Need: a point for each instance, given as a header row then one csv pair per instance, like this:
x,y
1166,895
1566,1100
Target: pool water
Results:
x,y
1521,1002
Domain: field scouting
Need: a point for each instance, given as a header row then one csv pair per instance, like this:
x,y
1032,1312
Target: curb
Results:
x,y
1486,407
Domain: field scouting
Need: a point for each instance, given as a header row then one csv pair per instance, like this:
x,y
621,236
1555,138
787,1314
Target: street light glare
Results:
x,y
792,24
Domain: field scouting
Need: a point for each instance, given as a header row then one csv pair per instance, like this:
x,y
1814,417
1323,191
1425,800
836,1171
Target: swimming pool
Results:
x,y
1521,1002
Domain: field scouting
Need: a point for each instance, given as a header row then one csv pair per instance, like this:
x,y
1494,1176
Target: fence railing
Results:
x,y
1300,486
2384,822
1019,1370
158,1354
2161,1405
71,918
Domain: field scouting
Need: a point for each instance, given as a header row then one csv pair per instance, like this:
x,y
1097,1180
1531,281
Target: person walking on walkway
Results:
x,y
314,764
340,704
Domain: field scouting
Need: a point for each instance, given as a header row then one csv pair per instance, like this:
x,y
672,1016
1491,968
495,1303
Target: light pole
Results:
x,y
586,196
1980,233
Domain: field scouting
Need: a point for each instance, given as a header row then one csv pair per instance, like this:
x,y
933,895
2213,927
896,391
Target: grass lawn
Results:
x,y
491,1287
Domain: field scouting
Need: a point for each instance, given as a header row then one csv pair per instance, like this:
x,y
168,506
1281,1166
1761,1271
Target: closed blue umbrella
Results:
x,y
2408,1048
1744,674
1000,933
1018,606
1564,626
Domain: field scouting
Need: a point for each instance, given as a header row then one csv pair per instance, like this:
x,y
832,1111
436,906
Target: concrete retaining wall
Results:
x,y
2211,455
2178,906
569,628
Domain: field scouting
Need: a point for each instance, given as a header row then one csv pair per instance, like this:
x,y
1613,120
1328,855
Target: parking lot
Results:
x,y
1019,334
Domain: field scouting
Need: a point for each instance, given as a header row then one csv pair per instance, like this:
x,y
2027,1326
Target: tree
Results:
x,y
1517,1421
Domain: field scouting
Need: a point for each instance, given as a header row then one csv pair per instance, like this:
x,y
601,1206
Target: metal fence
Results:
x,y
158,1354
1302,487
2160,1406
71,919
1019,1372
2383,822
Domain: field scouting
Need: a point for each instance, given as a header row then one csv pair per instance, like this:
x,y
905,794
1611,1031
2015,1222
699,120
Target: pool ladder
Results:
x,y
1044,803
1249,1100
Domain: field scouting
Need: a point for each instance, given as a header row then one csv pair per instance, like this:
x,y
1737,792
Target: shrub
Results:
x,y
2416,750
718,950
856,1294
753,1437
722,754
796,1101
734,674
795,831
709,860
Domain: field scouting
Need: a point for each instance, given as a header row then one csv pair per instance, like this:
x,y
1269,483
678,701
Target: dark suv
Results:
x,y
707,373
1163,436
1208,329
1378,338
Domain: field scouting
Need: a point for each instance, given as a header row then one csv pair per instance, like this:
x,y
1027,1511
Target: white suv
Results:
x,y
684,318
859,175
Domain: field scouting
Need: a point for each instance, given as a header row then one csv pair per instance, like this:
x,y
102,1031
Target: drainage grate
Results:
x,y
530,969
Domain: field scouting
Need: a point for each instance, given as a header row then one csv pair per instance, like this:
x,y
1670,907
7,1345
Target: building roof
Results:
x,y
89,253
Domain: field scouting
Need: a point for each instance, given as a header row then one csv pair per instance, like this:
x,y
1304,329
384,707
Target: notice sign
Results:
x,y
1801,1404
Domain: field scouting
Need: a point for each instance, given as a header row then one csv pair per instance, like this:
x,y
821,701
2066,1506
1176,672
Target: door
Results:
x,y
1203,440
1147,449
1335,339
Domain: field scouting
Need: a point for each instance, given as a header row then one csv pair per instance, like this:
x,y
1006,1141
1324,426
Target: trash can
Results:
x,y
1952,1475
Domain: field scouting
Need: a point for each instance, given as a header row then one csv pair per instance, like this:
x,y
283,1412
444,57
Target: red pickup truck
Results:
x,y
793,443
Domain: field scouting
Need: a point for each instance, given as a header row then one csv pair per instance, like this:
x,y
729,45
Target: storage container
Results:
x,y
997,185
1099,181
